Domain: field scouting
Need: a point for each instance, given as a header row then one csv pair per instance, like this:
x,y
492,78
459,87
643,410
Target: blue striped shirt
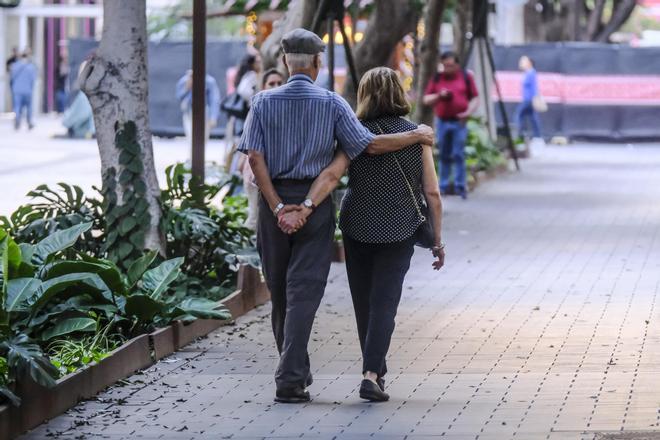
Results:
x,y
295,127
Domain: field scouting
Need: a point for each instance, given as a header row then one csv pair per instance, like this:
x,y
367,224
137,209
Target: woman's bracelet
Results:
x,y
436,249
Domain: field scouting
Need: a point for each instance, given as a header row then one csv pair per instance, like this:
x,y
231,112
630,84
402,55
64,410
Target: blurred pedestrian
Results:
x,y
12,59
271,79
79,117
526,110
62,83
454,97
212,100
246,83
23,75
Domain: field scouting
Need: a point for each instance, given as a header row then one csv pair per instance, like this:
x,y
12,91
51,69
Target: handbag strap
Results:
x,y
405,179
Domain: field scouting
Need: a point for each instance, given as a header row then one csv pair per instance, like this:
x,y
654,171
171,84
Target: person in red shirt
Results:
x,y
454,97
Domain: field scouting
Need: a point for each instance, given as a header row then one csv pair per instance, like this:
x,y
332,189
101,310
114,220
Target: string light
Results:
x,y
251,27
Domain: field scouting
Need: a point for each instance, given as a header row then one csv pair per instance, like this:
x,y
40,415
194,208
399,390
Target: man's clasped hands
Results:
x,y
292,218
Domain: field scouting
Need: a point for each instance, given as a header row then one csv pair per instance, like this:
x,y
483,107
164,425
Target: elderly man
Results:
x,y
290,137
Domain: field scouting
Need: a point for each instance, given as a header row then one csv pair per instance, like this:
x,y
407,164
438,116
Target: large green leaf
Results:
x,y
201,308
107,270
89,283
19,291
26,357
143,307
156,281
13,398
58,241
70,325
27,251
139,267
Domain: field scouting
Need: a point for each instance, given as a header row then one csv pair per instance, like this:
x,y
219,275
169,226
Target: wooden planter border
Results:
x,y
40,403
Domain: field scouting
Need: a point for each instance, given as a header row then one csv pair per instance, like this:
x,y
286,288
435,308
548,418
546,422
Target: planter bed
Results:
x,y
40,403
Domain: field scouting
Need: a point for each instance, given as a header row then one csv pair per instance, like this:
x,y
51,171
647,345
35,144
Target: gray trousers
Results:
x,y
296,269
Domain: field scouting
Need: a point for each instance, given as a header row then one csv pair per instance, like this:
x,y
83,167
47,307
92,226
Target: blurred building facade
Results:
x,y
45,26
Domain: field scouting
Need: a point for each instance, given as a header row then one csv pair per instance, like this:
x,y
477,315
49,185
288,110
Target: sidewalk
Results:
x,y
543,325
30,158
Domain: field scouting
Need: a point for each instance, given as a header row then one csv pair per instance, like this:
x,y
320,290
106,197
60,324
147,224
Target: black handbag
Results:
x,y
424,236
235,105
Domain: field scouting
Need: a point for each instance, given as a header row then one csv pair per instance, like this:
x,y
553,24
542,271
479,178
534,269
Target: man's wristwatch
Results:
x,y
307,203
278,208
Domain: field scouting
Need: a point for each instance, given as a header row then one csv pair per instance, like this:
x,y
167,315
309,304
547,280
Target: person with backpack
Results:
x,y
454,97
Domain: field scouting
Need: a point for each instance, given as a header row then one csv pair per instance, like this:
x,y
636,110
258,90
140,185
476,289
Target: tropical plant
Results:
x,y
213,240
53,210
481,153
47,296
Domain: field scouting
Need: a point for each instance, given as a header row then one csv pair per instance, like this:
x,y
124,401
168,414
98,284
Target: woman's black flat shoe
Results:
x,y
372,392
381,383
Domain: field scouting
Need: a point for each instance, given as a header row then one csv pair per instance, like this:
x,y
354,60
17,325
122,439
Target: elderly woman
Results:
x,y
382,218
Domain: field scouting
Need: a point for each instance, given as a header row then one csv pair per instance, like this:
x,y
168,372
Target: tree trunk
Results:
x,y
299,14
462,25
533,23
115,81
428,54
389,22
622,10
594,21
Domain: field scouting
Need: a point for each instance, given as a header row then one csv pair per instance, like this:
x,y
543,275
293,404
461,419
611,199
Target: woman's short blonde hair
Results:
x,y
381,94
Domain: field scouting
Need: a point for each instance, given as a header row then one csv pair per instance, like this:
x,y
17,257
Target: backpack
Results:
x,y
436,78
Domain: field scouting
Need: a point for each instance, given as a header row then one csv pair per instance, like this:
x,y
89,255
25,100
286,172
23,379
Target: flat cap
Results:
x,y
302,41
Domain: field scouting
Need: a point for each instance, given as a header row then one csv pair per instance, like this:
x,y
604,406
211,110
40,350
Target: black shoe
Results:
x,y
372,392
292,395
381,383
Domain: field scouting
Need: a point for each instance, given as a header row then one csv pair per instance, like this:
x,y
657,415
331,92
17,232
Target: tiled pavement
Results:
x,y
543,325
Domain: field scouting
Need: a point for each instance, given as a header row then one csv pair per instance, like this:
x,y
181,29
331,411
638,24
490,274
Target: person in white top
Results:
x,y
246,83
271,79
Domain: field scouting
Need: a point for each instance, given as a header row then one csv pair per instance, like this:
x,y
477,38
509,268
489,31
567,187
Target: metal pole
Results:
x,y
331,53
500,102
199,89
349,55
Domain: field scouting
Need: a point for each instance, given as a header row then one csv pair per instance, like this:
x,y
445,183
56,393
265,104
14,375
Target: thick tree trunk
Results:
x,y
462,25
621,13
115,81
594,20
562,20
389,22
299,14
428,54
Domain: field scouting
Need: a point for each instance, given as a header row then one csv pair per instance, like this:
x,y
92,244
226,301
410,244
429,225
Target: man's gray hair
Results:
x,y
299,61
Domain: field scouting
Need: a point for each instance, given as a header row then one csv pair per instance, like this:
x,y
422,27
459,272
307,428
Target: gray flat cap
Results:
x,y
302,41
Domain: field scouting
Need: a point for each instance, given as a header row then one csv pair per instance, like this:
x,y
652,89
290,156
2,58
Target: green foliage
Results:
x,y
4,384
51,299
69,355
128,221
52,211
481,153
213,241
72,271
